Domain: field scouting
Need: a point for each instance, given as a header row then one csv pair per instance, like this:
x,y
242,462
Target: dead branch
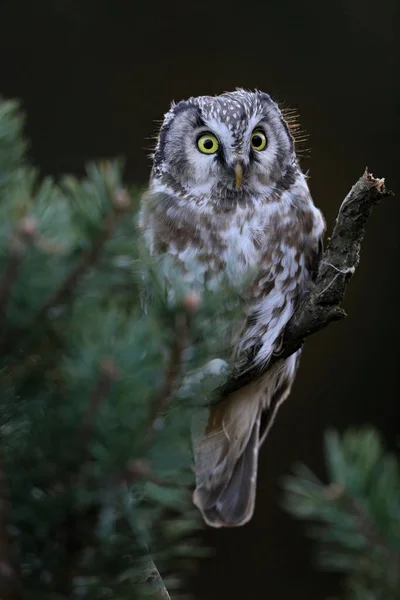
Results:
x,y
337,266
150,576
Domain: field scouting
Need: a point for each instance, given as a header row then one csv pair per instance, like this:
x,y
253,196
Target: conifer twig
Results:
x,y
356,514
336,267
367,527
24,235
174,364
141,469
108,375
121,204
172,372
8,576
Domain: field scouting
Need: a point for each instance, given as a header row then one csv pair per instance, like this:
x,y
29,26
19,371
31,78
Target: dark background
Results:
x,y
95,75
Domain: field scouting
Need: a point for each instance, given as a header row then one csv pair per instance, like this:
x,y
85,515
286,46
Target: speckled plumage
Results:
x,y
194,211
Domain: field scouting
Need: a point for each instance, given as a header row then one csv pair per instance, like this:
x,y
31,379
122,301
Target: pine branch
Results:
x,y
336,268
121,204
25,234
180,341
108,375
141,469
368,529
8,575
173,368
358,512
68,527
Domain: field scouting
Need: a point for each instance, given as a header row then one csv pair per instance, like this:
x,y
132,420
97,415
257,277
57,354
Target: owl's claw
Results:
x,y
214,368
217,366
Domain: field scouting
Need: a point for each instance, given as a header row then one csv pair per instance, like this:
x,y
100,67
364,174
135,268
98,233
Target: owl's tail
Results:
x,y
226,456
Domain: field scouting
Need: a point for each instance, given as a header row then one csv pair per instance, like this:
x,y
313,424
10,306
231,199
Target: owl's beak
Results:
x,y
238,175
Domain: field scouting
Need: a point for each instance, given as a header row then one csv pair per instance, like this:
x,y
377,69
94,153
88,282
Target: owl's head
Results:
x,y
238,141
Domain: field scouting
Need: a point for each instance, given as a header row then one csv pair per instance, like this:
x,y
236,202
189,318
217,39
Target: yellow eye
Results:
x,y
207,143
258,140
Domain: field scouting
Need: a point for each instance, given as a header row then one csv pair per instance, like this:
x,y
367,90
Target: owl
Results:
x,y
227,197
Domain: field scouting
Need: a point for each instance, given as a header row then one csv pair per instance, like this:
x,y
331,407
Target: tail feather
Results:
x,y
226,460
226,452
231,502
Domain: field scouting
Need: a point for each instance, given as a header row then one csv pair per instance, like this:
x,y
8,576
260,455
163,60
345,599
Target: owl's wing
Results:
x,y
250,371
227,455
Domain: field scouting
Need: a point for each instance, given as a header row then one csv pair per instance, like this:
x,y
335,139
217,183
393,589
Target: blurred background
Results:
x,y
94,76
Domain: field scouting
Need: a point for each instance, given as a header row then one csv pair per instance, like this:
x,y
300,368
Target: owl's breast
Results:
x,y
243,241
221,247
209,244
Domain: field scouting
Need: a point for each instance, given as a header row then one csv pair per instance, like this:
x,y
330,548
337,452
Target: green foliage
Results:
x,y
96,454
357,513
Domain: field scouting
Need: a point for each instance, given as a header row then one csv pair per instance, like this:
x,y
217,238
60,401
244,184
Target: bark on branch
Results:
x,y
336,268
151,578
